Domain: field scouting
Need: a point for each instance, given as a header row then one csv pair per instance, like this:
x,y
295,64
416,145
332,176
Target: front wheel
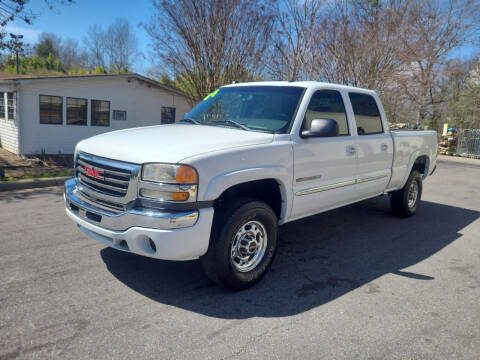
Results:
x,y
242,245
404,202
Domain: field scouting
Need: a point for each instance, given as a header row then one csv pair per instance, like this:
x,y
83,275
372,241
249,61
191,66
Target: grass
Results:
x,y
39,176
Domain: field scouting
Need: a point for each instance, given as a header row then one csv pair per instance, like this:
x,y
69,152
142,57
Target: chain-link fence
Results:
x,y
469,143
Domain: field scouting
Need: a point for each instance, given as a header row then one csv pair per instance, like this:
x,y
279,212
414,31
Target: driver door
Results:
x,y
324,167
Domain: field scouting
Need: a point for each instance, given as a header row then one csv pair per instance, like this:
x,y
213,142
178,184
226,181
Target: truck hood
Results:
x,y
168,143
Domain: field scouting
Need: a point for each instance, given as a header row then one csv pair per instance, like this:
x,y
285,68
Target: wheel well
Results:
x,y
421,164
266,190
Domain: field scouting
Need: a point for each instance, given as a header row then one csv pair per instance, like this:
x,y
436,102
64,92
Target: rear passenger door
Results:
x,y
373,145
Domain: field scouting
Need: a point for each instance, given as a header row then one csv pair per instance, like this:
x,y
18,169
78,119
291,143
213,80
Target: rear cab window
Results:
x,y
367,114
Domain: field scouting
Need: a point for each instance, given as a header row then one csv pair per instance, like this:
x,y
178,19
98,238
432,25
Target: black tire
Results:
x,y
228,220
399,200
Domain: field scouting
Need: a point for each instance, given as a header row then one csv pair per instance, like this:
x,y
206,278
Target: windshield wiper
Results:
x,y
193,121
237,124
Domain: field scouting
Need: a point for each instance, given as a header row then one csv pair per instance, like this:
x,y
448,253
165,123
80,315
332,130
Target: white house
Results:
x,y
50,114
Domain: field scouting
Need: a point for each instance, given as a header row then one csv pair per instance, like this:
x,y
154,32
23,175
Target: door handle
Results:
x,y
351,150
384,147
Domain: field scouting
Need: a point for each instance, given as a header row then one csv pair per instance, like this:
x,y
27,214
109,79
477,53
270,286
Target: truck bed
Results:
x,y
408,145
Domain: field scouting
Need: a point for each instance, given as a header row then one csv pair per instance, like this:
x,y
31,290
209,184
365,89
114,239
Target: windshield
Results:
x,y
258,108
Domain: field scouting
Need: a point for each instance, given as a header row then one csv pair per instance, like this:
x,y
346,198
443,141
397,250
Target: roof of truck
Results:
x,y
305,84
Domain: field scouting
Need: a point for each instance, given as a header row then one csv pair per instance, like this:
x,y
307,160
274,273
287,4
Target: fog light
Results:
x,y
180,196
164,195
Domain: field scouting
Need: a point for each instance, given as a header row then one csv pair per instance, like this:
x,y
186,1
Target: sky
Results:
x,y
73,20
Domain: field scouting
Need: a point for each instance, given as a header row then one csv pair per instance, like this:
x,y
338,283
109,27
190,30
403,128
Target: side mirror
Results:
x,y
321,128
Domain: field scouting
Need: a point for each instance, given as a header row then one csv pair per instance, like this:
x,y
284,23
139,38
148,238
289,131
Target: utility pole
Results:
x,y
16,45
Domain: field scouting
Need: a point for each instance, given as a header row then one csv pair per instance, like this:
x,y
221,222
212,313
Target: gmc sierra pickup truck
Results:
x,y
246,159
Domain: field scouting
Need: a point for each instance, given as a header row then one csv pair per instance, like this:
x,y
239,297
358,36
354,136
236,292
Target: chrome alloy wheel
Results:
x,y
412,194
249,245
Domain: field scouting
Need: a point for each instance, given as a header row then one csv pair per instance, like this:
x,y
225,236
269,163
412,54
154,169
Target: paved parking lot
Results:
x,y
353,283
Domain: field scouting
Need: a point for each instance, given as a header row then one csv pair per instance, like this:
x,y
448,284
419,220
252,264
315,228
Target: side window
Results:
x,y
367,115
327,104
51,109
76,111
100,112
2,105
10,106
168,115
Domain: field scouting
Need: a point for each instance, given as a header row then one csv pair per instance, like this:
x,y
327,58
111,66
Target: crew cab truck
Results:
x,y
246,159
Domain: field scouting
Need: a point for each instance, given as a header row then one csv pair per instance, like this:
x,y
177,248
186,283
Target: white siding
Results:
x,y
143,103
8,129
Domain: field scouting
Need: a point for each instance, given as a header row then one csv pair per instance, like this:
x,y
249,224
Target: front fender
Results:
x,y
221,182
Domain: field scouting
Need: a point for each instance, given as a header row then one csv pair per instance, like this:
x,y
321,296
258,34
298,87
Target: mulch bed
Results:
x,y
36,166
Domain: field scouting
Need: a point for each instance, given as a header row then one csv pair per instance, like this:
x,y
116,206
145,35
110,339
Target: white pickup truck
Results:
x,y
248,158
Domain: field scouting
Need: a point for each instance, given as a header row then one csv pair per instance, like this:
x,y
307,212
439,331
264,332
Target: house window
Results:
x,y
367,115
168,115
76,111
119,115
100,113
10,106
51,109
2,105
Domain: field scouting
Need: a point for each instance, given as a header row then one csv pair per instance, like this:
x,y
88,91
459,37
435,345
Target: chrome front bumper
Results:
x,y
84,209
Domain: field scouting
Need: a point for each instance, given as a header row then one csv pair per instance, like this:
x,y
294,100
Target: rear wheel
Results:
x,y
242,245
405,201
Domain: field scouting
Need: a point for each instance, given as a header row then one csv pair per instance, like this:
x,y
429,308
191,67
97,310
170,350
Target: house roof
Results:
x,y
12,76
21,78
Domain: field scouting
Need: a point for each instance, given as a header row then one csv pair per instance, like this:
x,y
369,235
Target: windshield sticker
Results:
x,y
211,95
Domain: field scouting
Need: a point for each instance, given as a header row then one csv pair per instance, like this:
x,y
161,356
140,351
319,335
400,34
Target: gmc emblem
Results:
x,y
93,173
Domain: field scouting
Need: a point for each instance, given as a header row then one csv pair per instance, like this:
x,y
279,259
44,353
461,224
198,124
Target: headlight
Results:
x,y
166,182
170,174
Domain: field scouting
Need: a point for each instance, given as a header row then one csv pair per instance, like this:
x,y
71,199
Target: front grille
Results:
x,y
109,184
115,182
108,205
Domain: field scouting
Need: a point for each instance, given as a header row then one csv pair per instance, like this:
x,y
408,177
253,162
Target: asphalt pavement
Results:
x,y
352,283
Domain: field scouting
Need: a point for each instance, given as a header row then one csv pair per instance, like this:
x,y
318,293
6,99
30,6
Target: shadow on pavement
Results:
x,y
320,259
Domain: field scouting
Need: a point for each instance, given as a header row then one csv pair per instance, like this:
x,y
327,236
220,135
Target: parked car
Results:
x,y
248,158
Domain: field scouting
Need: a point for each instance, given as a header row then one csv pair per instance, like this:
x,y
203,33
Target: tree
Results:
x,y
360,42
121,45
100,70
115,49
469,100
210,42
94,43
47,44
295,52
436,28
11,10
461,89
71,54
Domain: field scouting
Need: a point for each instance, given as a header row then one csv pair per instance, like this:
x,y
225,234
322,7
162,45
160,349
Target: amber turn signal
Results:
x,y
180,196
186,175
